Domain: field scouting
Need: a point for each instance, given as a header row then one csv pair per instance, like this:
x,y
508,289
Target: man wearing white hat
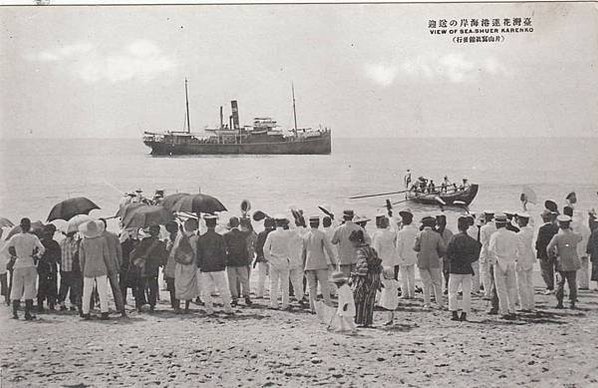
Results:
x,y
276,252
406,256
502,251
563,247
486,232
94,257
525,262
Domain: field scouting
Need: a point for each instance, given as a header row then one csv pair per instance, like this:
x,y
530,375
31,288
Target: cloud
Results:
x,y
64,53
383,75
455,68
140,60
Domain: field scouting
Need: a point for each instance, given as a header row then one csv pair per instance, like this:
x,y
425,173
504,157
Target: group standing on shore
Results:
x,y
494,252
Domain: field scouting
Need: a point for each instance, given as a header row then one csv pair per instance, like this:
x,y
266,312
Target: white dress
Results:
x,y
389,296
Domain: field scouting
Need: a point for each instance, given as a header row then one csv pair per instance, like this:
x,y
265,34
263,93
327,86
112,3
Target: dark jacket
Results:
x,y
461,252
51,257
154,252
592,248
211,252
545,234
237,254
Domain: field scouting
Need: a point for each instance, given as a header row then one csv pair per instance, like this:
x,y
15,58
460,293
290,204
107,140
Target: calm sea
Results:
x,y
38,173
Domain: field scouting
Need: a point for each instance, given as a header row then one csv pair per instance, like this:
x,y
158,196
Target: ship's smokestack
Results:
x,y
230,122
235,110
221,118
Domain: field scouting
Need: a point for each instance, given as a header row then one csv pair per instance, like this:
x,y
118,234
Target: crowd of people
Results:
x,y
491,255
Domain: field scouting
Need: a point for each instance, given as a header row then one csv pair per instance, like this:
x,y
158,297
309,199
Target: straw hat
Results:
x,y
92,229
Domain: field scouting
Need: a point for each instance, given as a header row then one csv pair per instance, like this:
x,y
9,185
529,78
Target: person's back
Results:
x,y
430,247
211,252
236,247
384,242
93,256
503,247
276,248
405,243
545,234
462,250
347,251
115,249
486,232
564,246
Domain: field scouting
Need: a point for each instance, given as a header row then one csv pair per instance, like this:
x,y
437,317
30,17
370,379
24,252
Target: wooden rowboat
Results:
x,y
464,196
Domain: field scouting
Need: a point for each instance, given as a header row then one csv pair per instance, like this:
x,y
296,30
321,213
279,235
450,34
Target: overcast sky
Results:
x,y
363,70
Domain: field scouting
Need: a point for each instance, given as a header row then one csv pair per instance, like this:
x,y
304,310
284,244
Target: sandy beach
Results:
x,y
258,347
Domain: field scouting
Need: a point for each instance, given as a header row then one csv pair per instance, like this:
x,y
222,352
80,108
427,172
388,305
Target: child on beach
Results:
x,y
346,304
389,296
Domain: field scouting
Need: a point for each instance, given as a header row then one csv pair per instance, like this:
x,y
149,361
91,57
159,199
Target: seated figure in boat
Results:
x,y
465,185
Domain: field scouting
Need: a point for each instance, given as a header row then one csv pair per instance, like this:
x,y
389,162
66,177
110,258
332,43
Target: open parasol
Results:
x,y
6,223
69,208
73,224
198,203
170,200
143,217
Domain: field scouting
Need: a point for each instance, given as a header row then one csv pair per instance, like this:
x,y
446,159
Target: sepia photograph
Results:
x,y
299,194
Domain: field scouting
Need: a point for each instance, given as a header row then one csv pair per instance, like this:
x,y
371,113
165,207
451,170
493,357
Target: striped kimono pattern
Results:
x,y
366,281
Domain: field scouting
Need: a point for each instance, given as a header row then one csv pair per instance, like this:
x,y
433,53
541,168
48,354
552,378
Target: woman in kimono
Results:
x,y
185,273
366,279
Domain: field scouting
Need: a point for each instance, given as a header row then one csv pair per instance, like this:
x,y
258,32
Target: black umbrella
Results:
x,y
170,200
143,217
123,211
69,208
198,203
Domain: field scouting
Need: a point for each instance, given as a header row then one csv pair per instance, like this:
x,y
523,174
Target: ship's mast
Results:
x,y
294,110
187,104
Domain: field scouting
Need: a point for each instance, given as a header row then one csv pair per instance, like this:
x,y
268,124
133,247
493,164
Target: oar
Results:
x,y
378,195
401,201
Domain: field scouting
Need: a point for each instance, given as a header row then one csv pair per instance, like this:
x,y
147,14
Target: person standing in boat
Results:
x,y
445,184
407,179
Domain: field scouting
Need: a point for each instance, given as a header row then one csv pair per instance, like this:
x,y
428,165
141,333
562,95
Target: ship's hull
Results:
x,y
310,146
466,196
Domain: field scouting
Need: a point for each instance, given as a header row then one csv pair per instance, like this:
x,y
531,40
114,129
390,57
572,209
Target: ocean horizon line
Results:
x,y
335,138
